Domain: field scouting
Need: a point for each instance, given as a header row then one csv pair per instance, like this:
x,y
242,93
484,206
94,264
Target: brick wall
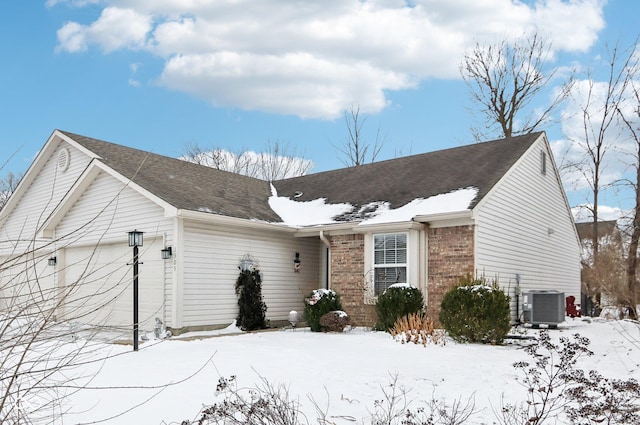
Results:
x,y
347,277
450,257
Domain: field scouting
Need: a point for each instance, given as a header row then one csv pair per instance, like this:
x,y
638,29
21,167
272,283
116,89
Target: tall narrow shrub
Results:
x,y
252,309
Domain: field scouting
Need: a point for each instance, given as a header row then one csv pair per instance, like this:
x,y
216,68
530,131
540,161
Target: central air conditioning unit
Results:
x,y
544,307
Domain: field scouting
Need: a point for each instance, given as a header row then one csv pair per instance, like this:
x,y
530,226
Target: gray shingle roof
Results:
x,y
398,181
605,228
185,185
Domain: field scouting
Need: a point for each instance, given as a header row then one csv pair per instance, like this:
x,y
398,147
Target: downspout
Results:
x,y
326,242
324,239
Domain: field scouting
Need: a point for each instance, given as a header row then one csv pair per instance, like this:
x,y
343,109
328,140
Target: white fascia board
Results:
x,y
356,228
75,144
388,227
448,219
326,229
234,221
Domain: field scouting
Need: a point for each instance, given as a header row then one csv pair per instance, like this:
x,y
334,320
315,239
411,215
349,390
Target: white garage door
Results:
x,y
99,285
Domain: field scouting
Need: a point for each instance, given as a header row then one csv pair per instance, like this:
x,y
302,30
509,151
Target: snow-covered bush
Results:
x,y
397,301
476,311
319,303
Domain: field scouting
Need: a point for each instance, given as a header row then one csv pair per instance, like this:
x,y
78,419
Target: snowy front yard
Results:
x,y
169,381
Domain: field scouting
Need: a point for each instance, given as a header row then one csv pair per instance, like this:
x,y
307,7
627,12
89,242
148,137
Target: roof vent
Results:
x,y
63,159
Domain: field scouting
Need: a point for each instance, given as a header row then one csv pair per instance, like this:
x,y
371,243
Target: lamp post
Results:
x,y
135,240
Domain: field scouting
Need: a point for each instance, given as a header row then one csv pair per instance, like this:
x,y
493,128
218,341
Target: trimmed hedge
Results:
x,y
397,301
319,303
476,311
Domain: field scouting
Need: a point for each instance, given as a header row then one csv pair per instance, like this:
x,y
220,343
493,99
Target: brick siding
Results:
x,y
347,277
450,257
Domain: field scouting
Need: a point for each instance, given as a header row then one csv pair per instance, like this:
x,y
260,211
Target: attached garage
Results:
x,y
99,282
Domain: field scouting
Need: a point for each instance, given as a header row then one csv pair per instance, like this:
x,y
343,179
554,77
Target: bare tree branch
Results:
x,y
354,150
503,80
278,161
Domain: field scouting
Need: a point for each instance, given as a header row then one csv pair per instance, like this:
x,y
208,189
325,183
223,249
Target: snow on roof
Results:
x,y
309,213
317,211
458,200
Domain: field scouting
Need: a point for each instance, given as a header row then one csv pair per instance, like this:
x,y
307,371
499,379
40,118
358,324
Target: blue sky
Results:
x,y
232,74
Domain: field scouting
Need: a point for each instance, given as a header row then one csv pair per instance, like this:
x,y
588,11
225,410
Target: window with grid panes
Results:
x,y
389,260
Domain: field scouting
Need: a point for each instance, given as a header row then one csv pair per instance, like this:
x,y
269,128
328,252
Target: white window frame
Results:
x,y
376,266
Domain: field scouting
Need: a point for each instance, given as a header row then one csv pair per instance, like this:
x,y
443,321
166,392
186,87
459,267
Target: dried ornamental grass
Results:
x,y
417,328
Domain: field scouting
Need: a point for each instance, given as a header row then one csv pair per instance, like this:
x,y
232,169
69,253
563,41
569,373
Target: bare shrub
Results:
x,y
419,329
546,379
265,404
597,399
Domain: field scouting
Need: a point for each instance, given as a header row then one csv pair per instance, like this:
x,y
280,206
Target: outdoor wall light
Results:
x,y
52,261
166,253
296,262
135,238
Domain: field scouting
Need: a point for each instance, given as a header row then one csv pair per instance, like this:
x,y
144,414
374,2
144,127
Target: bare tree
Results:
x,y
503,80
8,185
48,351
599,103
632,123
278,161
607,276
355,150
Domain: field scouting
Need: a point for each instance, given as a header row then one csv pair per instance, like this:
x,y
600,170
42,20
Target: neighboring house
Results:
x,y
494,208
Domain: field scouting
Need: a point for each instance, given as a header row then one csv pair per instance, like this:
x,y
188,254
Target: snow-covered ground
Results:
x,y
168,381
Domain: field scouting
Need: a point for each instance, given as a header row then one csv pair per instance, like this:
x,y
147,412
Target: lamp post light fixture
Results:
x,y
135,240
52,261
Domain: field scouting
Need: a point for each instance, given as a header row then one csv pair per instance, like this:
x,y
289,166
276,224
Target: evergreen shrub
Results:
x,y
397,301
252,309
476,311
319,303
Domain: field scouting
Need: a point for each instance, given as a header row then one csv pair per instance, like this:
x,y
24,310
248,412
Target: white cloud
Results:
x,y
115,29
582,213
314,59
72,3
572,152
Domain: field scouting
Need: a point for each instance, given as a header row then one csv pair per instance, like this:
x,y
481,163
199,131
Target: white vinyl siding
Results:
x,y
108,210
524,227
92,243
44,193
211,258
389,260
23,255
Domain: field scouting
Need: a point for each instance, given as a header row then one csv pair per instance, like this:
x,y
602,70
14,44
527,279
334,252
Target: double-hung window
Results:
x,y
389,260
